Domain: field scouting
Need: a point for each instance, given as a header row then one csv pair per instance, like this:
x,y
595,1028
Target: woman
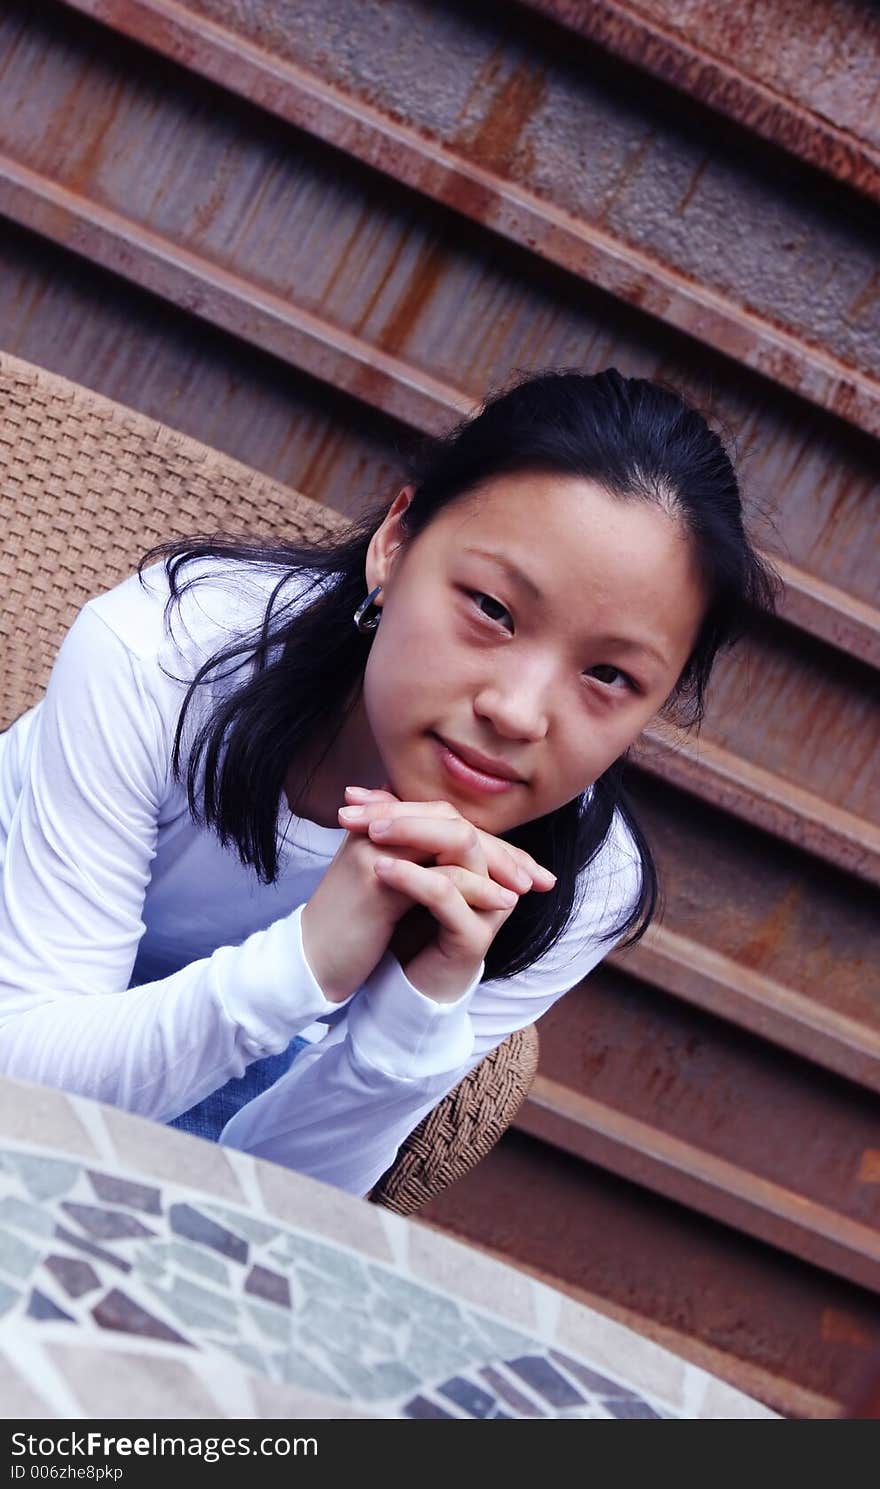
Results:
x,y
440,703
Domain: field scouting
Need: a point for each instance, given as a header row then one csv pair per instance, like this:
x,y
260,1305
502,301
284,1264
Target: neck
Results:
x,y
315,786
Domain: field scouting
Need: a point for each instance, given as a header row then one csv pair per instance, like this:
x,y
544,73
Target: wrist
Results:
x,y
435,977
332,985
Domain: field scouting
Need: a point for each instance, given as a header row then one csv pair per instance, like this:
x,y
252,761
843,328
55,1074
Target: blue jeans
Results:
x,y
210,1115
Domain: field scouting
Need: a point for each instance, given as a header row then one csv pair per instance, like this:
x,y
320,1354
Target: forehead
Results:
x,y
565,524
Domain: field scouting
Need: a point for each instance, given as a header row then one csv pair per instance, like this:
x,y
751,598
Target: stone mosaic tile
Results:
x,y
42,1118
436,1259
43,1178
145,1148
39,1306
507,1392
17,1257
8,1296
590,1378
98,1252
245,1225
25,1215
186,1220
546,1381
75,1277
420,1406
104,1225
652,1372
470,1397
117,1310
300,1369
123,1192
367,1229
197,1306
164,1254
272,1286
632,1409
107,1382
140,1267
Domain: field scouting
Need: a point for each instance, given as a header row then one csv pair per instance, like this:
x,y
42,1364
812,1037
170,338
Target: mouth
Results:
x,y
474,770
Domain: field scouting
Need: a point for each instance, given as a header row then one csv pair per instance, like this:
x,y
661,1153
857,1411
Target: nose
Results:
x,y
516,701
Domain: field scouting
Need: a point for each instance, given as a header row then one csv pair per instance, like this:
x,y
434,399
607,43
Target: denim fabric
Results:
x,y
210,1115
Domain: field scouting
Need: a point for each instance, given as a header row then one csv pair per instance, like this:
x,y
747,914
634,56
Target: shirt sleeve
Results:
x,y
346,1105
76,865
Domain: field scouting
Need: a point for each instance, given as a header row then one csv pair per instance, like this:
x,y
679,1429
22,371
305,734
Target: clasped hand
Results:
x,y
455,883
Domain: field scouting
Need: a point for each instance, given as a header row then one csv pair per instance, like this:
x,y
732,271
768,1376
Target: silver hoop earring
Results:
x,y
360,614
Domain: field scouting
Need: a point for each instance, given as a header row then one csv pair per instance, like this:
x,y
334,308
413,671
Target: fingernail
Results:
x,y
381,825
524,879
357,791
351,811
507,896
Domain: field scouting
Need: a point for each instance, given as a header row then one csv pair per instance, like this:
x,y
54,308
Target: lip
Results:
x,y
494,773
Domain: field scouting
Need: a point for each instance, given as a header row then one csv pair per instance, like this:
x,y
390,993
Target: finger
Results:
x,y
507,864
365,801
471,927
369,793
478,891
450,841
523,862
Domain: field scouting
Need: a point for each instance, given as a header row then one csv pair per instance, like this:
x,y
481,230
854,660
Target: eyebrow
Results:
x,y
516,574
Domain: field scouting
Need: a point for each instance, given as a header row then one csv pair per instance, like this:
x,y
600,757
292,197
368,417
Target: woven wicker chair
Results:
x,y
86,487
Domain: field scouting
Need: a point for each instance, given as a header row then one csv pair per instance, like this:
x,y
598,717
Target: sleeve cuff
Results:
x,y
268,987
399,1030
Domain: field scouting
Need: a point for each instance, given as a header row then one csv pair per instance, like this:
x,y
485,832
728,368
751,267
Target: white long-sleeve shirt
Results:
x,y
143,965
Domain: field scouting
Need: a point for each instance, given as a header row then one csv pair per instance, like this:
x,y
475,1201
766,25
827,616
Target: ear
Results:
x,y
387,542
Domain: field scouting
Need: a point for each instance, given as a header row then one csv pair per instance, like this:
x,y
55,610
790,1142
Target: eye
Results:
x,y
628,682
479,597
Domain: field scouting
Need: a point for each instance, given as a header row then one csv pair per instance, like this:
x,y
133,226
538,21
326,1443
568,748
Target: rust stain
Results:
x,y
770,931
427,272
842,499
390,268
630,168
84,121
314,475
839,1327
865,297
224,176
694,182
364,216
483,78
495,138
869,1167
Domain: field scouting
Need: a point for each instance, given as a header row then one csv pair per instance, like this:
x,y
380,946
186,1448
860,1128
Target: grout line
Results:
x,y
89,1115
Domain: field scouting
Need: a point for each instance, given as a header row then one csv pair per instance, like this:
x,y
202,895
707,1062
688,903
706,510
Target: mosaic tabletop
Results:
x,y
145,1273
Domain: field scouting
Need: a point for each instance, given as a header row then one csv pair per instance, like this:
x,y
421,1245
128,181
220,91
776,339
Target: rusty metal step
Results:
x,y
793,1336
699,49
666,1096
429,163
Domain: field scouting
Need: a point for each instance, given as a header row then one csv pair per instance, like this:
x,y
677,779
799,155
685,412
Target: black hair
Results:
x,y
303,672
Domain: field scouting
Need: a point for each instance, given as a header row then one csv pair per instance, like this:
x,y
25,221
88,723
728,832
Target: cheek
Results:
x,y
395,681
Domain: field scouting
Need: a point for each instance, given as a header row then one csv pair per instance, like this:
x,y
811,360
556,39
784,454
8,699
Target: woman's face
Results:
x,y
551,675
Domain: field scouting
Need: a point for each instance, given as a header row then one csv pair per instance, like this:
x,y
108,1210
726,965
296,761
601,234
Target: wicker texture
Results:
x,y
86,487
463,1127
